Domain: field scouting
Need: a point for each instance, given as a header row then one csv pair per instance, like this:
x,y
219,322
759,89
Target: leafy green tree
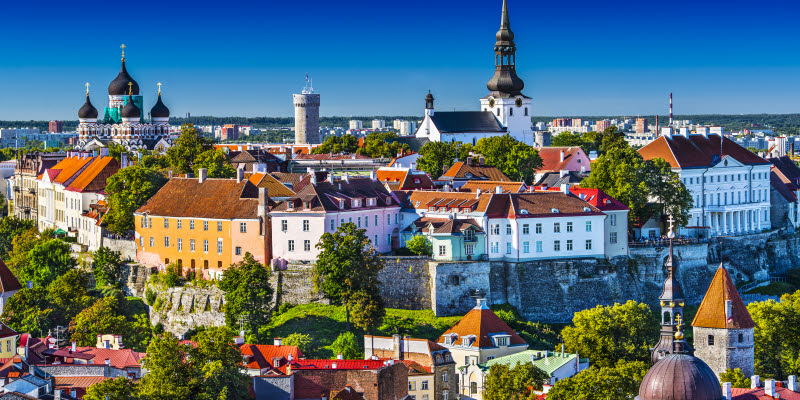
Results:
x,y
347,144
437,157
46,261
169,375
517,383
219,363
348,346
670,194
515,159
618,173
189,145
620,381
101,318
420,245
247,293
303,342
119,388
107,267
368,310
216,162
139,332
607,334
382,144
69,294
10,228
346,265
22,244
735,377
777,349
29,310
128,190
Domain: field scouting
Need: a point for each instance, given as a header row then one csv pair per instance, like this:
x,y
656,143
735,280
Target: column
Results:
x,y
738,215
758,220
724,222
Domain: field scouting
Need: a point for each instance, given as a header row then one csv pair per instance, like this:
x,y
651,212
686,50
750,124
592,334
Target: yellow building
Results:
x,y
8,341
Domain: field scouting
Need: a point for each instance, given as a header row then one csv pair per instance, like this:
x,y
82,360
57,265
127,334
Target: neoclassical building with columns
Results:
x,y
730,185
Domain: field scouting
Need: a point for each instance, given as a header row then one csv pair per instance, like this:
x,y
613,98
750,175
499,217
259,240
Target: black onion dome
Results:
x,y
87,110
159,110
119,86
680,377
130,110
505,82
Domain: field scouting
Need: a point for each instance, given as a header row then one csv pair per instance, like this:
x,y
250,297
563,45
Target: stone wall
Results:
x,y
295,285
135,277
180,309
406,283
126,247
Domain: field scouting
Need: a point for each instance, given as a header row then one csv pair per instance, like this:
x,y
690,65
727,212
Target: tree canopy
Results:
x,y
216,162
47,260
101,318
777,349
189,145
10,228
338,144
348,345
438,157
735,377
107,267
619,381
514,383
382,145
128,190
247,294
515,159
420,245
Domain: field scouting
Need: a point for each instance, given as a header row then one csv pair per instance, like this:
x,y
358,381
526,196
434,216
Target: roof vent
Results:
x,y
587,209
523,211
554,210
608,202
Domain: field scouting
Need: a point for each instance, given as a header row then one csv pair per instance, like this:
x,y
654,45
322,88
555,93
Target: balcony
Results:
x,y
32,190
17,189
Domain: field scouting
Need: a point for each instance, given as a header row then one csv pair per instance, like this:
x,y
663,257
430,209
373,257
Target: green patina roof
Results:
x,y
549,365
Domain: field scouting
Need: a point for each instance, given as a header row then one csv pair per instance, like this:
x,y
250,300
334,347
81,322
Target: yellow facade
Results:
x,y
8,346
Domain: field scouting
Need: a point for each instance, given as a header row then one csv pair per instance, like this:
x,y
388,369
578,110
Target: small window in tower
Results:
x,y
498,111
710,340
741,338
511,112
526,111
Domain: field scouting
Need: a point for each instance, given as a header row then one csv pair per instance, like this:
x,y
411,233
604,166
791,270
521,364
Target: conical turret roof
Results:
x,y
712,313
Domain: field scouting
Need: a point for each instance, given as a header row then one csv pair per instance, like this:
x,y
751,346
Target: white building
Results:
x,y
730,186
378,124
356,124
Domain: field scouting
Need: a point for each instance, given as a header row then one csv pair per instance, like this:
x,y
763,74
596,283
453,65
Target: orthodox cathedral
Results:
x,y
504,110
123,121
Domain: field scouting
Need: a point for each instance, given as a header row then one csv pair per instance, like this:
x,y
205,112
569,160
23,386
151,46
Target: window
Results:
x,y
238,251
191,244
588,226
191,224
205,246
473,386
469,249
359,222
539,246
495,247
496,229
538,228
569,245
557,227
180,244
412,386
333,224
389,239
306,225
444,377
569,226
557,245
502,341
468,235
424,385
508,229
395,217
442,250
180,224
376,220
588,245
612,238
710,340
219,246
166,241
166,223
152,242
306,245
526,229
219,227
445,395
291,245
388,219
284,225
366,222
741,338
526,247
141,241
613,220
242,227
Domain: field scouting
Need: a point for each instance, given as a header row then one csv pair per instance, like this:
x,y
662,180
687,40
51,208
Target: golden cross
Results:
x,y
159,87
678,319
123,51
130,88
87,88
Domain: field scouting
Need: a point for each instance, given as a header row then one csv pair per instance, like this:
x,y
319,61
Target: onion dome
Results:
x,y
87,110
119,86
159,110
680,377
130,111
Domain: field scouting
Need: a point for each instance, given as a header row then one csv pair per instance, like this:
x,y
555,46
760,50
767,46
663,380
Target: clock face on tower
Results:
x,y
519,102
491,103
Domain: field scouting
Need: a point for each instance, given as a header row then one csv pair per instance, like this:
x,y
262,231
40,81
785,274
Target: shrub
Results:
x,y
420,245
150,296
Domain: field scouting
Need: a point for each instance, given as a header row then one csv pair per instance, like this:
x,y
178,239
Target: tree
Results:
x,y
128,190
347,144
618,173
348,346
101,318
69,295
670,194
368,310
303,342
10,228
28,310
611,333
22,244
346,264
382,144
107,267
437,157
735,377
620,382
515,159
139,332
119,388
216,162
219,362
777,349
247,293
516,383
420,245
169,375
46,261
190,144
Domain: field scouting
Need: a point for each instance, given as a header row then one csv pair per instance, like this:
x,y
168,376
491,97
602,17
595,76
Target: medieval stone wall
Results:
x,y
180,309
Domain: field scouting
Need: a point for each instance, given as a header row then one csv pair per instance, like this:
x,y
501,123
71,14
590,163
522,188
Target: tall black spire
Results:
x,y
672,303
505,82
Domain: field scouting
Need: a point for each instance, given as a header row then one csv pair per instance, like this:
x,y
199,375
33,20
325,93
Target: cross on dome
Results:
x,y
130,88
159,87
123,51
87,88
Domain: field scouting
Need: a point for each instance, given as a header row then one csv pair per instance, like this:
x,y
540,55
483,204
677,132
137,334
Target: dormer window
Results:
x,y
416,180
371,201
501,341
290,205
431,208
587,209
306,205
356,203
416,204
388,201
341,204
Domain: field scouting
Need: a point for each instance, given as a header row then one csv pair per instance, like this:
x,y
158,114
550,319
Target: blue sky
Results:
x,y
244,58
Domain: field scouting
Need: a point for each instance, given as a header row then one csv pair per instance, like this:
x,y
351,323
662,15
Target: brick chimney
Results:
x,y
239,175
397,343
202,175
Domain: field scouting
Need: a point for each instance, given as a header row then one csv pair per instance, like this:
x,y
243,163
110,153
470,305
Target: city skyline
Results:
x,y
367,60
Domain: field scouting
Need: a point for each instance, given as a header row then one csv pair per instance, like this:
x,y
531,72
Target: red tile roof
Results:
x,y
697,151
77,383
214,198
8,282
328,156
461,170
6,331
481,322
491,186
598,198
260,356
122,358
711,313
340,364
551,158
539,204
93,177
758,394
782,184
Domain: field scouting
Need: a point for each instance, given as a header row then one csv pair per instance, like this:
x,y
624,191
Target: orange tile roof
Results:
x,y
551,157
261,355
274,187
93,177
711,313
68,167
420,199
461,170
214,198
697,151
481,322
490,186
77,383
391,175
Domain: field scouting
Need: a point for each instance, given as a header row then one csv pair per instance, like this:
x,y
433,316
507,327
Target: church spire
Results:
x,y
504,24
505,83
671,301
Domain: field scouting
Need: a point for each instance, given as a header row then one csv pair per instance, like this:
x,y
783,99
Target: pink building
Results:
x,y
603,125
557,159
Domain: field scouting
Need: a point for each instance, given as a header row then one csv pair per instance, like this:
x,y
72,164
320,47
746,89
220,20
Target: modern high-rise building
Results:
x,y
229,132
56,127
356,124
378,124
306,116
641,125
602,125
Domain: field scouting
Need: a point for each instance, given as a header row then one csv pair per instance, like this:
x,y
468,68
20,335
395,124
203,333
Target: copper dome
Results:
x,y
680,377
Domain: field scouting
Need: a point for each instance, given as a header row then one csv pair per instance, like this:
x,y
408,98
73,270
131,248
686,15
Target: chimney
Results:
x,y
498,189
373,175
726,390
755,382
57,394
202,175
481,160
478,193
278,341
74,347
340,356
238,340
313,177
333,366
469,160
562,155
239,175
240,148
263,202
769,387
346,178
411,165
792,383
287,153
329,178
565,188
564,172
108,361
397,343
728,309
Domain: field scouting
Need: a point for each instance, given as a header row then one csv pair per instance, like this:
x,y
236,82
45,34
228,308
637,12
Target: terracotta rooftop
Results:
x,y
8,282
598,198
443,225
758,394
697,151
462,170
77,383
340,364
539,204
782,184
67,167
6,331
551,158
422,200
788,167
274,187
477,328
93,177
711,313
261,355
214,199
491,186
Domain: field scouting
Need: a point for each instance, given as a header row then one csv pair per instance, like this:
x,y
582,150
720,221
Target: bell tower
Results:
x,y
672,303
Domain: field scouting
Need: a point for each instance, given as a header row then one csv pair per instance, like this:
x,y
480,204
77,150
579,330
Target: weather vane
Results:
x,y
159,87
87,88
123,51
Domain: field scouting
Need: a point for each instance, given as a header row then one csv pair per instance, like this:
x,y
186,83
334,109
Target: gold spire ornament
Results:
x,y
87,88
159,88
679,333
123,51
130,88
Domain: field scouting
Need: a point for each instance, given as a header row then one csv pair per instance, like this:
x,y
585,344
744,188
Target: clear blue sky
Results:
x,y
578,57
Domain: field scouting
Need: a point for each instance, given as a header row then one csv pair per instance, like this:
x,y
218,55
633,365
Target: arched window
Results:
x,y
511,112
667,318
473,387
710,340
526,111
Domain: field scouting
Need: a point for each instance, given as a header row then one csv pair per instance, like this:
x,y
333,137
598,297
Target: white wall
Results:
x,y
498,243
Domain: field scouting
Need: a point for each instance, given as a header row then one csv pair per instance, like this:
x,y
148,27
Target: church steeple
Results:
x,y
505,82
672,303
